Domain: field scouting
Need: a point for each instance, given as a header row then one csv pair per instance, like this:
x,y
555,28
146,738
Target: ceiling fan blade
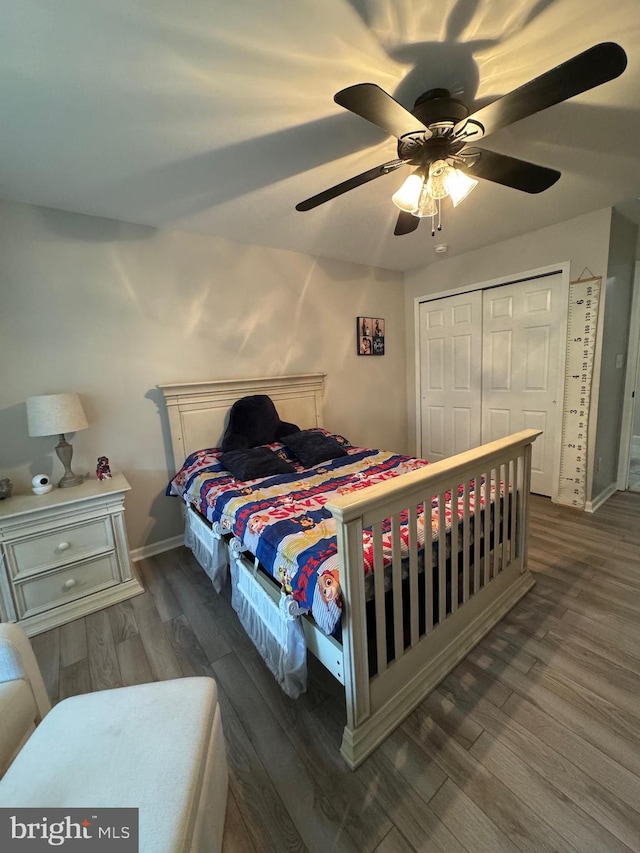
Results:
x,y
372,103
592,67
352,183
509,171
406,223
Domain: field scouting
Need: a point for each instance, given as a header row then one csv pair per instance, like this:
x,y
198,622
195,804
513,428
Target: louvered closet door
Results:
x,y
450,374
523,341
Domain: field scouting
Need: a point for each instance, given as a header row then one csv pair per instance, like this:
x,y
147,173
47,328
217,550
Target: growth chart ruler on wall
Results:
x,y
584,298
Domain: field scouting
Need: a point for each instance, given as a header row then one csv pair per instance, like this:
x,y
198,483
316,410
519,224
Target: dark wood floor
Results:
x,y
531,744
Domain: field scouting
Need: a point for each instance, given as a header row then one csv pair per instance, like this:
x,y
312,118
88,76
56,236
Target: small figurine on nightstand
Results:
x,y
103,472
6,487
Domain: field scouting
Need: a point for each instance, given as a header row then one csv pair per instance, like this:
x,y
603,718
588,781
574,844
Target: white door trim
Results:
x,y
631,377
563,269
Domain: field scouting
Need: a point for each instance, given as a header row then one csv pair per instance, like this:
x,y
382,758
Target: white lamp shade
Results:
x,y
55,414
408,196
436,186
427,206
459,185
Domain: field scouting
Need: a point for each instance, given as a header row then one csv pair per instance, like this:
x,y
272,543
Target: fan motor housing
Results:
x,y
438,111
437,105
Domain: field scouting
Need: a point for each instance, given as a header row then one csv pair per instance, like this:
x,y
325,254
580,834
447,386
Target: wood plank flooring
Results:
x,y
531,744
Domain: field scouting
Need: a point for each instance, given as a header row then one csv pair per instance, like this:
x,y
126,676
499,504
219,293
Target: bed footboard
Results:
x,y
452,603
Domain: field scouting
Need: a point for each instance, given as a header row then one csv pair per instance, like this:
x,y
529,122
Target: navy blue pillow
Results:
x,y
255,462
254,421
312,447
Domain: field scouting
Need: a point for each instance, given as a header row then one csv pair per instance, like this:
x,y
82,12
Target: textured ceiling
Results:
x,y
218,117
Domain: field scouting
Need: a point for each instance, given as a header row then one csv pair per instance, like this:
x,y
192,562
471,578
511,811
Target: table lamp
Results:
x,y
55,414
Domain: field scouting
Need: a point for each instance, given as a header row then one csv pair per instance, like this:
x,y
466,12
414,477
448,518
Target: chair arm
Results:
x,y
17,661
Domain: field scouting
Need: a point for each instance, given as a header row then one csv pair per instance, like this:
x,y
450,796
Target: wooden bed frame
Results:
x,y
471,600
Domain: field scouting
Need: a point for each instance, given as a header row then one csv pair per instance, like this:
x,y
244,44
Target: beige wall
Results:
x,y
618,285
110,310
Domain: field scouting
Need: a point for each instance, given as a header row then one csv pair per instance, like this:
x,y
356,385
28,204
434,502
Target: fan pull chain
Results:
x,y
433,218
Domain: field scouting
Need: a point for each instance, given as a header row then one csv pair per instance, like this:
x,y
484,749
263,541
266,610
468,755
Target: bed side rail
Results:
x,y
433,575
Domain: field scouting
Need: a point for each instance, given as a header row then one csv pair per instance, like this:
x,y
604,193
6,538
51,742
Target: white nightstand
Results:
x,y
64,554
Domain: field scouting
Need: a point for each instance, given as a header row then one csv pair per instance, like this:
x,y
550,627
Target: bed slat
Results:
x,y
396,573
486,562
428,564
513,514
466,541
498,546
454,547
477,492
413,573
442,558
378,589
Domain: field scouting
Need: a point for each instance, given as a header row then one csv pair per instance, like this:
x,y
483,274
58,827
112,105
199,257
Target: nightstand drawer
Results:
x,y
63,546
57,587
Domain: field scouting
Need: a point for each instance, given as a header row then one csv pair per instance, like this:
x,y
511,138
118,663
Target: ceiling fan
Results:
x,y
436,136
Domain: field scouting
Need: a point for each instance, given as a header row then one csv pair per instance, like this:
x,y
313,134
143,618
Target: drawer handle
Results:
x,y
70,583
63,546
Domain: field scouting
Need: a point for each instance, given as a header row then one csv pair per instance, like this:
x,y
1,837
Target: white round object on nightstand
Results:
x,y
41,484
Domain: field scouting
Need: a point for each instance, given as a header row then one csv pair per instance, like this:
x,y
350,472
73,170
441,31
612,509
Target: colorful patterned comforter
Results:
x,y
283,520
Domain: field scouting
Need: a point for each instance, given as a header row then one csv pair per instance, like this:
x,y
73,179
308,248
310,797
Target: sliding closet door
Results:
x,y
524,335
450,374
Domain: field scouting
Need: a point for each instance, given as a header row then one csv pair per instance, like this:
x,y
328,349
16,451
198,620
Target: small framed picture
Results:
x,y
370,336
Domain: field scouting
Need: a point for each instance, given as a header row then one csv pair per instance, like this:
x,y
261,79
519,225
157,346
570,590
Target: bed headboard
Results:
x,y
198,411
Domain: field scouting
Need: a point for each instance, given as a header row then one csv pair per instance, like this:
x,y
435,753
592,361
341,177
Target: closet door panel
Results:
x,y
434,421
498,347
537,420
523,340
462,429
435,364
450,375
537,348
496,423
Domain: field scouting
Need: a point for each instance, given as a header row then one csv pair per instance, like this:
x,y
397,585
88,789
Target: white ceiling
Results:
x,y
218,117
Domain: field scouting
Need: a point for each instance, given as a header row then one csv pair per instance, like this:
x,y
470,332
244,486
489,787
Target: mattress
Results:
x,y
284,522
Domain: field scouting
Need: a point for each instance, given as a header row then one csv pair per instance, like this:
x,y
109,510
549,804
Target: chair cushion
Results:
x,y
18,714
143,746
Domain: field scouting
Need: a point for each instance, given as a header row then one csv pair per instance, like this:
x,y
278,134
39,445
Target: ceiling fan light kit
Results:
x,y
421,193
433,136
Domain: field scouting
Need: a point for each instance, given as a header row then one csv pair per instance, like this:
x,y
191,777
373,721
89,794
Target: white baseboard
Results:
x,y
592,506
156,548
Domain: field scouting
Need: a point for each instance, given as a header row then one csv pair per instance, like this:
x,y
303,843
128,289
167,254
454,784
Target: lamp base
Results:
x,y
65,452
70,479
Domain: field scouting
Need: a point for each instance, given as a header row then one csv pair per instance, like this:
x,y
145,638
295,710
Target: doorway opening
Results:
x,y
629,467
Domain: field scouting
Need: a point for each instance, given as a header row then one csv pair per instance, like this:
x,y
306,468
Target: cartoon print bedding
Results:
x,y
282,520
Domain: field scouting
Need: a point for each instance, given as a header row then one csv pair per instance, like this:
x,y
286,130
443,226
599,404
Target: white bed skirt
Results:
x,y
209,548
271,623
274,628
